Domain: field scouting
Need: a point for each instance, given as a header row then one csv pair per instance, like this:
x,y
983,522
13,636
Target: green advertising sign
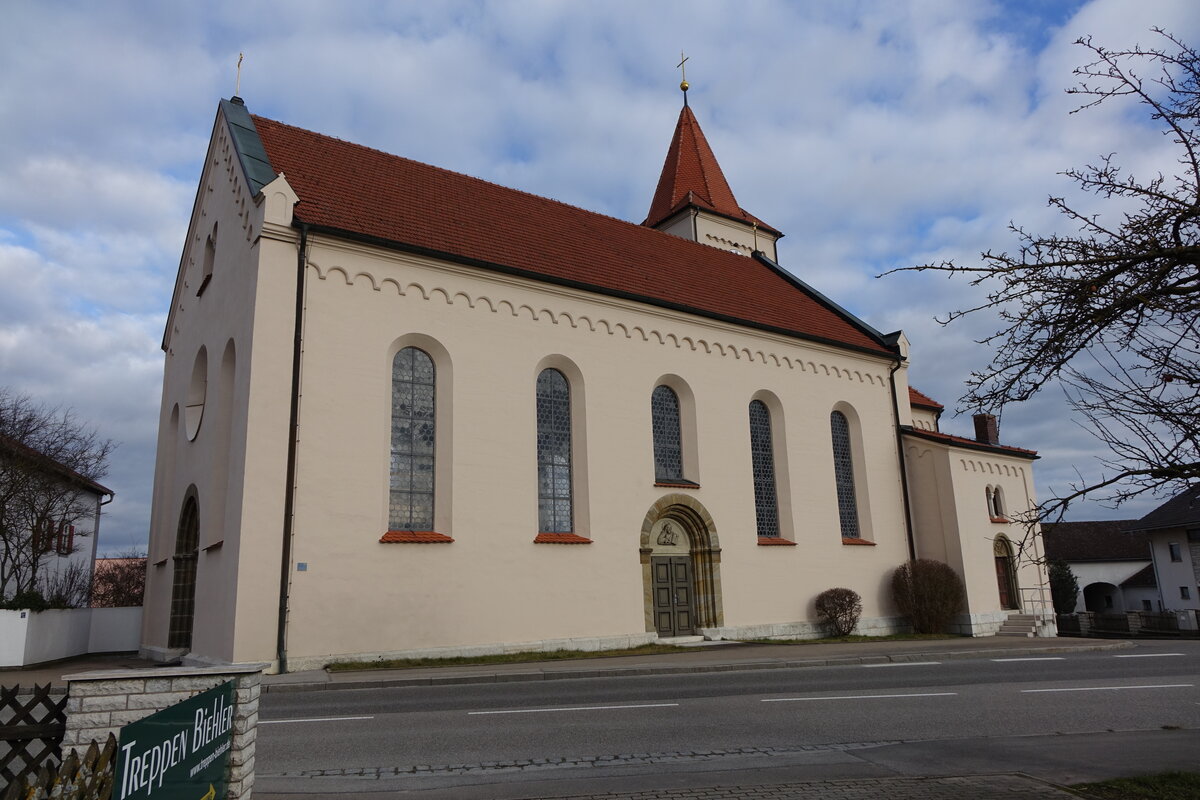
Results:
x,y
180,752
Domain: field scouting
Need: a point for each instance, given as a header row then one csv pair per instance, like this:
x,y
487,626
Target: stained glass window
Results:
x,y
762,457
413,433
664,417
554,452
843,472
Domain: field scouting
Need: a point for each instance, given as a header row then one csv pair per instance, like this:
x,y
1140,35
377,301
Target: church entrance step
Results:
x,y
680,639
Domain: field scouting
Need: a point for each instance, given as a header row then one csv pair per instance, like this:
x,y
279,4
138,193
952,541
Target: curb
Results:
x,y
630,672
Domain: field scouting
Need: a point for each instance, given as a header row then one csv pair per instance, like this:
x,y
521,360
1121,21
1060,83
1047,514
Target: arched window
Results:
x,y
413,433
664,418
843,473
554,452
995,504
183,586
762,455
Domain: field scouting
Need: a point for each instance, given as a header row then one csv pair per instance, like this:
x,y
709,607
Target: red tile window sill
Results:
x,y
1001,519
415,537
775,541
561,538
676,485
855,540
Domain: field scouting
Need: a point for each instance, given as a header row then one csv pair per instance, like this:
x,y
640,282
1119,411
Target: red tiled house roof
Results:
x,y
916,398
691,176
360,193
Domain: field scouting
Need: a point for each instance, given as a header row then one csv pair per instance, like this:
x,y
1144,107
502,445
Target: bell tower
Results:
x,y
693,200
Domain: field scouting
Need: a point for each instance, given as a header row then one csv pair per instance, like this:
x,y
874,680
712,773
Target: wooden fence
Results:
x,y
31,729
86,778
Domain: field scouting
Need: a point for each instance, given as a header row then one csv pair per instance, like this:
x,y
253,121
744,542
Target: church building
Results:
x,y
407,412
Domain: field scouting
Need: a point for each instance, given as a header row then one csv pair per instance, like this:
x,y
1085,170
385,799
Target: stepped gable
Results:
x,y
358,192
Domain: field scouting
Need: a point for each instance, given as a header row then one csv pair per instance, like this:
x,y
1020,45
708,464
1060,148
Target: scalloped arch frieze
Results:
x,y
991,468
608,327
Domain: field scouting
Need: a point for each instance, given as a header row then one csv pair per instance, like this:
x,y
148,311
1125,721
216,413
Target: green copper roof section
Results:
x,y
251,154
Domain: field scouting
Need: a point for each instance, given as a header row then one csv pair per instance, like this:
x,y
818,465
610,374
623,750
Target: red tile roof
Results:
x,y
917,398
971,444
358,192
691,176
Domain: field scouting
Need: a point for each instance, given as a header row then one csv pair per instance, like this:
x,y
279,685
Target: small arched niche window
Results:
x,y
210,260
995,501
414,430
668,450
843,473
554,453
762,456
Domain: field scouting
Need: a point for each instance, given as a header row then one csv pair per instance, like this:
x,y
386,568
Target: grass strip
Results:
x,y
1164,786
500,658
895,637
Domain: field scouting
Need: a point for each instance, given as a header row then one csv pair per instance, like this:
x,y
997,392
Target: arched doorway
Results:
x,y
1006,574
183,587
1101,598
681,561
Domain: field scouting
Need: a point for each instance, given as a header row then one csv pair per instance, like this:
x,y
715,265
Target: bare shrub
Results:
x,y
120,581
929,593
840,608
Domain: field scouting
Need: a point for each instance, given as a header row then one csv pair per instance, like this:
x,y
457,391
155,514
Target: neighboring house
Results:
x,y
1113,568
1174,532
67,507
420,413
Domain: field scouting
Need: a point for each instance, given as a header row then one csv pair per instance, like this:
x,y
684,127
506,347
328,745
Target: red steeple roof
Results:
x,y
691,176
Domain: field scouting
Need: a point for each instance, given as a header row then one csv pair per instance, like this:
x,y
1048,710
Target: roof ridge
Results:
x,y
468,176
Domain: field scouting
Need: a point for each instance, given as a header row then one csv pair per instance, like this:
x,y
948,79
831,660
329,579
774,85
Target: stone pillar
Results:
x,y
101,702
1135,622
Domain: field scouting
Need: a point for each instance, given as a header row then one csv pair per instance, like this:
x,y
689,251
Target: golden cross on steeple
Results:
x,y
683,84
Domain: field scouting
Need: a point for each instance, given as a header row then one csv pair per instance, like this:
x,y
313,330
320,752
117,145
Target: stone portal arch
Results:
x,y
679,533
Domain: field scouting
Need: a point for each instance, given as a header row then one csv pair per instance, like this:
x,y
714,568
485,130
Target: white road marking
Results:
x,y
1149,655
1039,658
857,697
576,708
310,719
1111,688
904,664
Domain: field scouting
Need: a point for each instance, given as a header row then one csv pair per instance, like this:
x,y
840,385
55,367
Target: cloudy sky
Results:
x,y
874,134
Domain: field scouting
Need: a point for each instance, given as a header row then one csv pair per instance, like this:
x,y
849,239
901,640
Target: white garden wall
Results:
x,y
34,637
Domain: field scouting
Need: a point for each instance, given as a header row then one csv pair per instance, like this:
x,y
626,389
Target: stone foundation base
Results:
x,y
873,626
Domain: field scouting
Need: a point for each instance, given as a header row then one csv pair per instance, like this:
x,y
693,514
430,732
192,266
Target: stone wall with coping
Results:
x,y
101,702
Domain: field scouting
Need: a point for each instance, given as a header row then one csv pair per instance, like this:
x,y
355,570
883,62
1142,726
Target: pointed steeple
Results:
x,y
692,180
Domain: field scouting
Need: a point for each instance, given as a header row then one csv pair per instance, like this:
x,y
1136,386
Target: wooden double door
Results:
x,y
674,607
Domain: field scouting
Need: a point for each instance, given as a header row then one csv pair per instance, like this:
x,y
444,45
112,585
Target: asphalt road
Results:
x,y
1062,717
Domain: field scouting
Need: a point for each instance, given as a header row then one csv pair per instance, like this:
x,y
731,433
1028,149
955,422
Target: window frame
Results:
x,y
426,416
763,471
843,476
553,405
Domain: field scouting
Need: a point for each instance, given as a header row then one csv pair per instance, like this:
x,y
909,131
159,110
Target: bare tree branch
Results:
x,y
1109,309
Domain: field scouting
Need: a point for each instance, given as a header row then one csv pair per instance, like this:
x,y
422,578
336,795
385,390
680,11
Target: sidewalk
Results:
x,y
701,657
